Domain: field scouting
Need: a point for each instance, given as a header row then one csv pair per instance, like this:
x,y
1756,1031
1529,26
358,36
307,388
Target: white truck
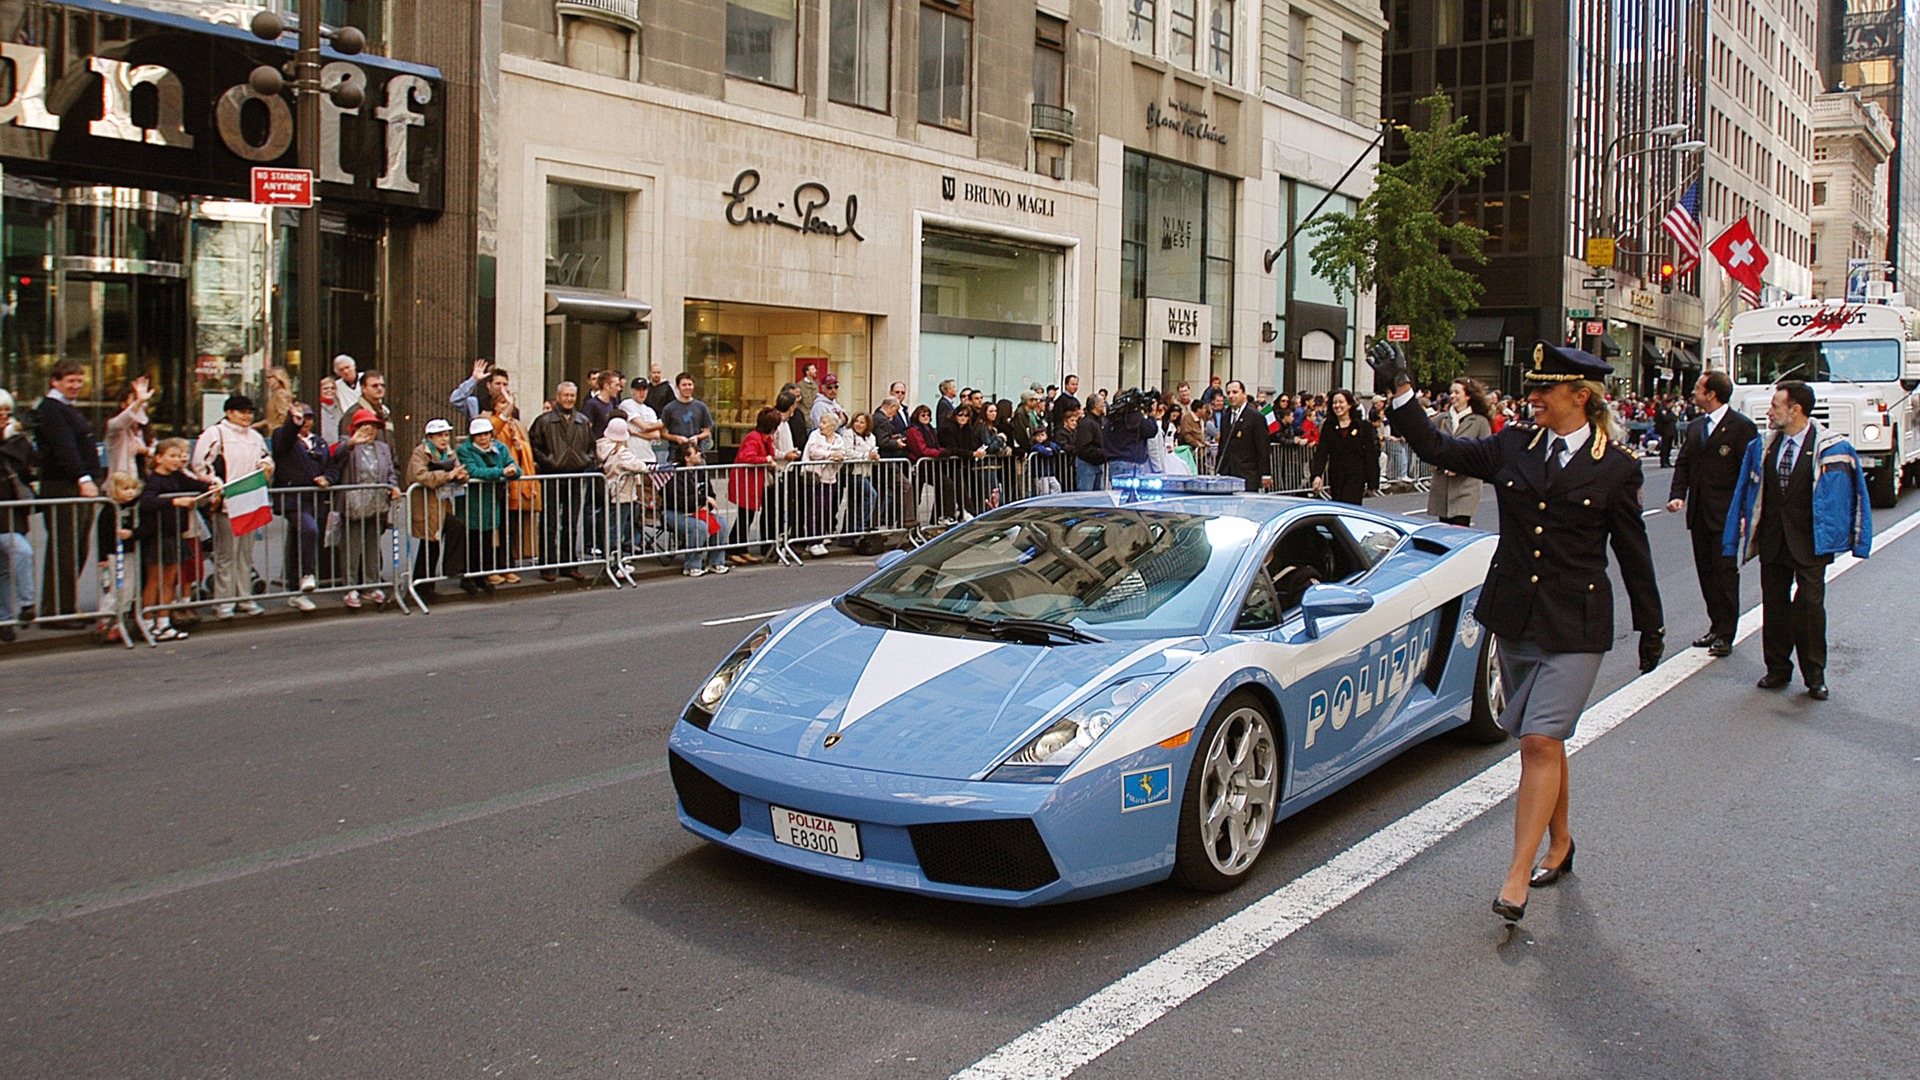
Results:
x,y
1863,362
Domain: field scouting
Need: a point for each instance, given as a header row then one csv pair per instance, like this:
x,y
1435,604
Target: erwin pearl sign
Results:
x,y
163,103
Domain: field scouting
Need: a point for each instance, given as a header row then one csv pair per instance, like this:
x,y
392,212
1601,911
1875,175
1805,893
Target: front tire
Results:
x,y
1233,790
1883,485
1489,697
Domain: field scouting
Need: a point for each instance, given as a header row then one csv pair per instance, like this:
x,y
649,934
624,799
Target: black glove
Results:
x,y
1389,365
1653,646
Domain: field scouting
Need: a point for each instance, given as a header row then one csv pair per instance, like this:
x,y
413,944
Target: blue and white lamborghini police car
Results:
x,y
1083,693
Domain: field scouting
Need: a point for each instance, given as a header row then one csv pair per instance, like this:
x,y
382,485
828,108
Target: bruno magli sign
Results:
x,y
161,101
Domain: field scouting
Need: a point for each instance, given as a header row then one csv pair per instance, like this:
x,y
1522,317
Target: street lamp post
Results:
x,y
1612,166
271,81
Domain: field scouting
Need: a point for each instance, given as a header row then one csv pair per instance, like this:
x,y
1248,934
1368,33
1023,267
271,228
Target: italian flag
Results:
x,y
1273,422
246,500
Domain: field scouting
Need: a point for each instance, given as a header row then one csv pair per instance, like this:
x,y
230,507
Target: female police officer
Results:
x,y
1565,487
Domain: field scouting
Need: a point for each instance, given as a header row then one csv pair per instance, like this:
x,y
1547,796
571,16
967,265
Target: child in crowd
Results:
x,y
166,523
114,530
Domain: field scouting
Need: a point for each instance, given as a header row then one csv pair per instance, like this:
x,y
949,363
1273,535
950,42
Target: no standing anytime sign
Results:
x,y
283,187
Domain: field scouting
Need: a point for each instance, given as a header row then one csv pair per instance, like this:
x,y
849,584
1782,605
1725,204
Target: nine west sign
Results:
x,y
111,94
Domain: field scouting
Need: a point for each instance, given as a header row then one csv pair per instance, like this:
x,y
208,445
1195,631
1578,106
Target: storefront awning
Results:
x,y
586,305
1682,358
1651,355
1480,331
1606,346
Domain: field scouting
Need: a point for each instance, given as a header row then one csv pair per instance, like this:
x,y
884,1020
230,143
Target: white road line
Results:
x,y
742,618
1113,1014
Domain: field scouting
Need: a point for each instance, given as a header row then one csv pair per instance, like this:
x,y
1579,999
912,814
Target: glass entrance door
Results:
x,y
123,326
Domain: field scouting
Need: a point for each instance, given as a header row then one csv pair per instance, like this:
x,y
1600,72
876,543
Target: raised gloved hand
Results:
x,y
1389,363
1653,646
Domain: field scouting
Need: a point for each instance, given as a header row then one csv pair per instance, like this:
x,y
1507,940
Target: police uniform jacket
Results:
x,y
1709,467
1243,443
1548,583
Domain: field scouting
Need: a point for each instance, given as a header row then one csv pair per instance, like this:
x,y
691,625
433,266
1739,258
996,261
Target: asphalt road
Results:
x,y
445,846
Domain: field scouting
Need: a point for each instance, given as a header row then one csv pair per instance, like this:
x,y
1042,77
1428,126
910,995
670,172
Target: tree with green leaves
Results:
x,y
1398,243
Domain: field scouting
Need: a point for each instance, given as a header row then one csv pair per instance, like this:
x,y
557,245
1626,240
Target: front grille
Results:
x,y
705,799
984,854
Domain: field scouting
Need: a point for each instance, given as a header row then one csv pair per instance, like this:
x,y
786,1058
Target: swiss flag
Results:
x,y
1740,252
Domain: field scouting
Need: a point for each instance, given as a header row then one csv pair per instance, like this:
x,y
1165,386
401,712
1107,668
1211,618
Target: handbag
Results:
x,y
713,523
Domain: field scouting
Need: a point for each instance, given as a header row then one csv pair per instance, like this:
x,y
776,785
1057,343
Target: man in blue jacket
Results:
x,y
1801,500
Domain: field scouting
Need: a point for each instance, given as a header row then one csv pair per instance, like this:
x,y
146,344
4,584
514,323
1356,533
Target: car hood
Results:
x,y
924,704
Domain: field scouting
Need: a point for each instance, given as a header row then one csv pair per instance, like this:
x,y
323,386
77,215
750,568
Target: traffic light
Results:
x,y
1666,275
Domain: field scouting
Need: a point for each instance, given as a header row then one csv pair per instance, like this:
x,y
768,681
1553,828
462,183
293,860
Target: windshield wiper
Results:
x,y
1027,631
875,607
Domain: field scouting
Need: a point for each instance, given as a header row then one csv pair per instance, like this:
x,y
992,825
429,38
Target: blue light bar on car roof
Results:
x,y
1141,487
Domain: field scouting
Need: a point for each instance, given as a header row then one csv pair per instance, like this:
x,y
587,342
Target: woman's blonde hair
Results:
x,y
1598,414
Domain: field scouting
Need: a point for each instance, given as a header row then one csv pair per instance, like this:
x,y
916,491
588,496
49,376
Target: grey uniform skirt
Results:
x,y
1546,691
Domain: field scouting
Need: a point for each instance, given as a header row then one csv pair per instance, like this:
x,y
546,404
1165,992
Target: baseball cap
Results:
x,y
436,426
830,380
639,383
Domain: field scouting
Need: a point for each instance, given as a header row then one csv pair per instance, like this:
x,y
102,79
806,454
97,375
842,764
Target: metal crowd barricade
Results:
x,y
546,523
65,543
347,538
1292,467
650,521
862,498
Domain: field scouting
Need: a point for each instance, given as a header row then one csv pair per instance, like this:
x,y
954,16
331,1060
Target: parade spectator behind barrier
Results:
x,y
475,395
227,451
862,495
659,390
827,448
747,483
491,475
329,415
19,465
603,404
687,418
1191,430
562,442
127,446
519,529
828,401
365,461
1346,460
434,512
960,442
373,395
168,507
807,389
1454,498
70,467
345,398
1065,401
114,534
623,469
1023,421
1129,427
923,441
890,427
301,461
1090,446
600,406
948,401
688,508
643,423
278,384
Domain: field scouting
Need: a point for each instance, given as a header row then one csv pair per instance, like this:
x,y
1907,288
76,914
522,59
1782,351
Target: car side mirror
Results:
x,y
888,558
1330,601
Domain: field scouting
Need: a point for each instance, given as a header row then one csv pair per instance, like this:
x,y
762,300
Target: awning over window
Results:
x,y
1607,347
1682,358
1651,355
587,305
1480,332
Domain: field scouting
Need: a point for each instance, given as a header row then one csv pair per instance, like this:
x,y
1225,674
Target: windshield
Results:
x,y
1114,571
1764,363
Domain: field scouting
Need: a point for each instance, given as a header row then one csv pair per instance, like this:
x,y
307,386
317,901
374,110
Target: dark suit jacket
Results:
x,y
1243,444
1707,469
1062,405
1785,531
1548,583
68,451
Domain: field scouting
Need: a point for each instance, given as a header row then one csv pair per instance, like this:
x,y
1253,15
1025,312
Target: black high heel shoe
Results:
x,y
1513,913
1544,875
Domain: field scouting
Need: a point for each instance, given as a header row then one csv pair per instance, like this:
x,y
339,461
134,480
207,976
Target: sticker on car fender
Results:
x,y
1146,787
811,832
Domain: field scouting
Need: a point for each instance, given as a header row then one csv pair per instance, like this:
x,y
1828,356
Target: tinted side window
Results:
x,y
1373,538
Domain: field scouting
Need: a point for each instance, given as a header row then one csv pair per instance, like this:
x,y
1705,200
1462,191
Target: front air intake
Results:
x,y
984,854
705,799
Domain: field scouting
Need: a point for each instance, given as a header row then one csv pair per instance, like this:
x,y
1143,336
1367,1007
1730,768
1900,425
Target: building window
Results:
x,y
1220,41
761,35
601,36
1181,31
1446,22
586,237
859,42
1049,61
1141,18
1349,78
1820,193
946,47
1296,54
1176,243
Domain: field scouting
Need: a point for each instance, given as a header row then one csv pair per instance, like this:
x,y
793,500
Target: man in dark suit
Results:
x,y
70,467
1065,402
1243,439
1801,500
1703,483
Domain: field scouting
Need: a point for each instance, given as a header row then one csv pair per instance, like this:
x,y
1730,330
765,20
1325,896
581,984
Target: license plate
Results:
x,y
811,832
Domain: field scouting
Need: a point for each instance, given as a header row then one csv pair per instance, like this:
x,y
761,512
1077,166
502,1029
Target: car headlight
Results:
x,y
1070,736
701,709
1870,433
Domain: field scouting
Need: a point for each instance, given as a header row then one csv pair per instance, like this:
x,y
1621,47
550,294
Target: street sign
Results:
x,y
1597,284
283,187
1595,329
1399,332
1579,313
1599,251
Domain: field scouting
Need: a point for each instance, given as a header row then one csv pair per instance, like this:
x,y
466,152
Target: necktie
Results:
x,y
1707,431
1554,450
1785,468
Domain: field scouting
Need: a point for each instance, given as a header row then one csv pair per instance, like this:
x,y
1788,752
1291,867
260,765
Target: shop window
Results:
x,y
1142,23
1176,244
761,37
946,59
586,237
988,314
1181,32
741,354
859,46
1220,41
1297,28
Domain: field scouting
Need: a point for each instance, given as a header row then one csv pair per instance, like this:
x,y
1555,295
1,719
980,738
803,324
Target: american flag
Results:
x,y
1683,224
1750,295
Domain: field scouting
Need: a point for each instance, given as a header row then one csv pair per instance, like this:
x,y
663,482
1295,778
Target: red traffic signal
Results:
x,y
1667,270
